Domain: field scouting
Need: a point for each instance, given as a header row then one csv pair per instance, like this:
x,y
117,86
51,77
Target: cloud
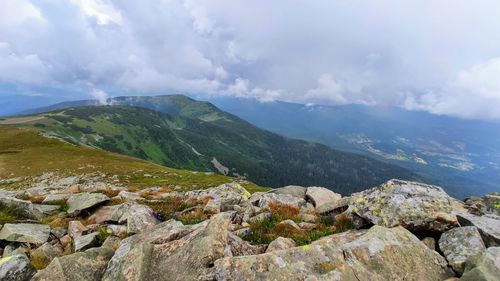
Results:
x,y
100,96
413,54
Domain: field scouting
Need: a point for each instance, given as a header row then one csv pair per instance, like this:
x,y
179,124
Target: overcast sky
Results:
x,y
439,56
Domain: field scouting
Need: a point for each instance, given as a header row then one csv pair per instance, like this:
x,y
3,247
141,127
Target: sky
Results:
x,y
438,56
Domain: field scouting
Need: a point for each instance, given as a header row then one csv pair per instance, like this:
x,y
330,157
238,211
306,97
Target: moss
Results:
x,y
325,267
38,260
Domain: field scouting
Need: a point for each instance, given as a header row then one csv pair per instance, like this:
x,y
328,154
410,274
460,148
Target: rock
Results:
x,y
56,199
16,268
76,229
110,214
320,196
293,190
228,194
85,242
483,267
280,199
288,223
239,247
488,204
280,243
27,209
212,207
111,242
430,242
129,196
48,251
59,231
82,266
243,231
65,240
117,230
171,251
415,206
308,218
376,254
460,243
25,233
488,226
83,201
307,226
334,206
260,217
139,218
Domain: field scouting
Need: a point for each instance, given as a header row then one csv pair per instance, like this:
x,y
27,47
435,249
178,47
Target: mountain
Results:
x,y
461,155
27,157
180,132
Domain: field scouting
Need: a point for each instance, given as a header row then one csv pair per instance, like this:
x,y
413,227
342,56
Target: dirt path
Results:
x,y
20,120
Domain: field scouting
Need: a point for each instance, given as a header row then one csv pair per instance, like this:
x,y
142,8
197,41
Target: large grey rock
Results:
x,y
171,251
82,266
267,199
16,268
228,194
25,233
483,267
85,242
82,201
294,190
488,226
26,209
280,243
415,206
48,251
139,218
487,204
55,199
76,229
320,196
460,243
376,254
129,196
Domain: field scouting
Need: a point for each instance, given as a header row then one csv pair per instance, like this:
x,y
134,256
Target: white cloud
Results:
x,y
100,96
400,53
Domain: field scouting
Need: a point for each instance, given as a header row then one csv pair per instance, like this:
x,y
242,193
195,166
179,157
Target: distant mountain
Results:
x,y
180,132
461,155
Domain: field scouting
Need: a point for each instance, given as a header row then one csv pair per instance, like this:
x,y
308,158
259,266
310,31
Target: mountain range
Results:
x,y
180,132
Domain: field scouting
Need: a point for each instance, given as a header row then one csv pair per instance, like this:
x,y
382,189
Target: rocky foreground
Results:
x,y
73,229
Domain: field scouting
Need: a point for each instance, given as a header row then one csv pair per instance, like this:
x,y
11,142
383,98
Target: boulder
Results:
x,y
281,199
483,267
280,243
212,207
415,206
16,268
129,196
228,194
82,266
172,251
334,206
290,224
430,242
85,242
76,229
56,199
27,209
320,196
25,233
460,243
308,218
488,204
83,201
376,254
260,217
294,190
48,251
139,218
488,226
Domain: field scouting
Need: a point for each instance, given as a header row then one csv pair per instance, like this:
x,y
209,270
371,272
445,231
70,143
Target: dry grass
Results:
x,y
193,217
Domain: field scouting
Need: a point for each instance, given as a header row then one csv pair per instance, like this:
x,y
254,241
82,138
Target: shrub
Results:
x,y
193,217
284,212
343,223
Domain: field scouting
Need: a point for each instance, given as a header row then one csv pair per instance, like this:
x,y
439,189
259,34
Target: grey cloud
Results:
x,y
439,56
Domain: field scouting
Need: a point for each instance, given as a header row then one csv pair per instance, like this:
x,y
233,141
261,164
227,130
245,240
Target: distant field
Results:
x,y
20,120
25,153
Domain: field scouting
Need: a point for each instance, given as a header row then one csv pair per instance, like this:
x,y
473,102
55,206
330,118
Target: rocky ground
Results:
x,y
79,228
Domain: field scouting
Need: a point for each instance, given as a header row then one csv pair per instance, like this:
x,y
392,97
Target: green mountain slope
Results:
x,y
195,135
25,154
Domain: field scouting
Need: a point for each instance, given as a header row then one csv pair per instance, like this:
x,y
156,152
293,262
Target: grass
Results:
x,y
9,215
193,217
267,230
171,205
24,153
38,260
